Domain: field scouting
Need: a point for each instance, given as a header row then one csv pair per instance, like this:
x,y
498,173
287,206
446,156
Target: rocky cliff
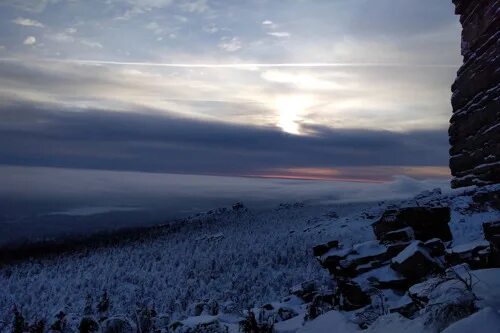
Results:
x,y
475,123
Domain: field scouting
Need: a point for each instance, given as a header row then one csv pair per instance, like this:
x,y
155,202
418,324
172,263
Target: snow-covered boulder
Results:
x,y
420,291
415,262
400,235
387,223
405,306
382,278
353,296
426,222
435,246
361,254
476,254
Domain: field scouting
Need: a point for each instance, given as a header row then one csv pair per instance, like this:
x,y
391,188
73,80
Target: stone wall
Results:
x,y
475,123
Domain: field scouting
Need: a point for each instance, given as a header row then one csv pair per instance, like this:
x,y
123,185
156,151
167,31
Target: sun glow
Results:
x,y
291,108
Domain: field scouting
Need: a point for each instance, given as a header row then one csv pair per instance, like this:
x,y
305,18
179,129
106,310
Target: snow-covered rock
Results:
x,y
415,262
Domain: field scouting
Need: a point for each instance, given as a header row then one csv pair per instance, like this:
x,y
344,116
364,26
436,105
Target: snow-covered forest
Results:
x,y
227,255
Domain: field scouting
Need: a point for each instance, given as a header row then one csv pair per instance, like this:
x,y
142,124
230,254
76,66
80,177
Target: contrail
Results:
x,y
233,65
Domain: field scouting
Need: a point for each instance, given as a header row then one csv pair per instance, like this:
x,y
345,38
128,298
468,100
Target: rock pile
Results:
x,y
412,244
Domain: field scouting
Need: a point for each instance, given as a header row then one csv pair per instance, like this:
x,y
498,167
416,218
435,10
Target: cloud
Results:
x,y
139,7
27,22
31,135
30,40
35,6
91,44
279,34
211,29
267,22
230,44
155,27
62,37
194,6
373,97
303,81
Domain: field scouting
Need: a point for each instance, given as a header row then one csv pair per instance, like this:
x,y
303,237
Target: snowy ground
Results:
x,y
247,258
238,258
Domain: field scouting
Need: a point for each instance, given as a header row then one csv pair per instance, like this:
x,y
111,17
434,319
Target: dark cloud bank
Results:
x,y
95,139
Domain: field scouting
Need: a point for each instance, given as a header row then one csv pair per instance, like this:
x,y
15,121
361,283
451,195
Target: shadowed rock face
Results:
x,y
475,123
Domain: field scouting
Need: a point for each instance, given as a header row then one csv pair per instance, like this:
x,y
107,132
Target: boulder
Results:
x,y
435,246
353,297
387,223
357,270
420,292
426,222
415,262
321,249
476,254
382,278
487,198
370,253
405,307
492,234
331,259
397,236
305,290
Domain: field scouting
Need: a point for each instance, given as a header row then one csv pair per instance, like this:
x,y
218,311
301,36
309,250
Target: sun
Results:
x,y
291,109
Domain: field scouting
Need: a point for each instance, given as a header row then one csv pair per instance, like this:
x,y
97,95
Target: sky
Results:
x,y
355,90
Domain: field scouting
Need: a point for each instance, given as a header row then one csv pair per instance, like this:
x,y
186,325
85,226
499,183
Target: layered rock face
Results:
x,y
475,123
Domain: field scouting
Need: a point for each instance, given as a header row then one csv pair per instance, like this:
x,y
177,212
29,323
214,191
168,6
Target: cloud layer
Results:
x,y
31,135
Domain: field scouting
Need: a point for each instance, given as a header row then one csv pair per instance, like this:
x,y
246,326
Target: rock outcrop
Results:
x,y
475,124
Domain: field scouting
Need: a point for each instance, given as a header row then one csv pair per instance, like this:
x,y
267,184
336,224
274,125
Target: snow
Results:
x,y
249,259
459,249
203,319
369,249
256,259
382,274
423,289
487,287
329,322
343,252
484,321
410,250
291,325
396,323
